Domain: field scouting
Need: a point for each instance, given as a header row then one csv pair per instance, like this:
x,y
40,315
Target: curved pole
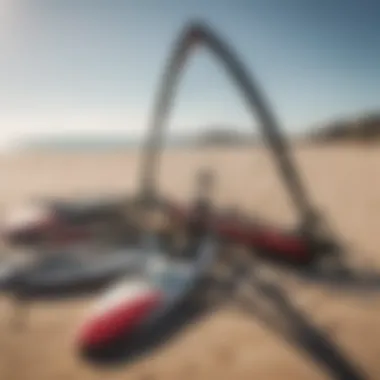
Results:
x,y
193,35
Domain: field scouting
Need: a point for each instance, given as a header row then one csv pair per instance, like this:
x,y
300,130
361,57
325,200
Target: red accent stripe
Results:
x,y
280,244
122,319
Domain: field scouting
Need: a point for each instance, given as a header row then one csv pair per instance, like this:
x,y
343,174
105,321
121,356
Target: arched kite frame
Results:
x,y
193,35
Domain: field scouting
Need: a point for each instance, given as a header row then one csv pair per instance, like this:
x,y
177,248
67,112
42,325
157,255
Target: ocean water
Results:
x,y
97,144
128,142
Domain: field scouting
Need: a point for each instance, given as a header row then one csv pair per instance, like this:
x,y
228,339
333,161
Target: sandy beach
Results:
x,y
344,181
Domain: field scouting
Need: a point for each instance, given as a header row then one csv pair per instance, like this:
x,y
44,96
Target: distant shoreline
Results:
x,y
357,131
217,138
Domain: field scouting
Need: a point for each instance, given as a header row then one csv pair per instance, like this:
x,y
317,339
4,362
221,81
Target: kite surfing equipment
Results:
x,y
75,221
137,305
143,311
312,251
66,274
158,292
143,304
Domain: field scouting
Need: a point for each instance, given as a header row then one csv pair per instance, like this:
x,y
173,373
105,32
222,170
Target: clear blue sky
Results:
x,y
94,65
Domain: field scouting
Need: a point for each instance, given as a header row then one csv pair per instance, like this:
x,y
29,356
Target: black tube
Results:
x,y
197,33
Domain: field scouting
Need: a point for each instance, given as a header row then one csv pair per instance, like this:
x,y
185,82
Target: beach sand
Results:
x,y
344,181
